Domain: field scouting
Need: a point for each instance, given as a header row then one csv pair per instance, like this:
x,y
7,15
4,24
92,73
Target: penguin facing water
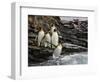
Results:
x,y
54,39
57,51
47,42
40,36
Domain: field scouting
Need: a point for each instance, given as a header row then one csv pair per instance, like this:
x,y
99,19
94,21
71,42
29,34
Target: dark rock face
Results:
x,y
73,35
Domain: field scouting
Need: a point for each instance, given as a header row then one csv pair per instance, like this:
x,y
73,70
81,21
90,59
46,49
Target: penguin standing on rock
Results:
x,y
47,42
54,39
57,51
40,36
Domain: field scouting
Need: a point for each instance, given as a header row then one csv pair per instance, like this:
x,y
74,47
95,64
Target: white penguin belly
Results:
x,y
55,39
57,52
47,40
40,37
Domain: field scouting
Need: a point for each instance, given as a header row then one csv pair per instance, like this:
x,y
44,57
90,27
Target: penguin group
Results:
x,y
50,39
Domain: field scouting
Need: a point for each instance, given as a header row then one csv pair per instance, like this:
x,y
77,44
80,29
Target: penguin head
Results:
x,y
41,29
53,24
60,45
55,30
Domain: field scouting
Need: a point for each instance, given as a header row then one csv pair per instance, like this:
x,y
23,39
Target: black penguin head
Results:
x,y
55,30
41,28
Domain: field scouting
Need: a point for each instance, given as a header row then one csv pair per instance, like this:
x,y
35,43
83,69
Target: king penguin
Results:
x,y
47,42
54,38
57,51
40,36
